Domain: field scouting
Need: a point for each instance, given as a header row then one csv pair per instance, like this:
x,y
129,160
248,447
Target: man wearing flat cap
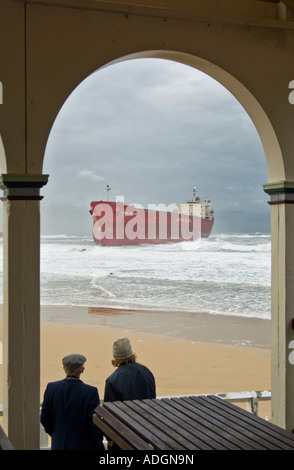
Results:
x,y
131,380
68,407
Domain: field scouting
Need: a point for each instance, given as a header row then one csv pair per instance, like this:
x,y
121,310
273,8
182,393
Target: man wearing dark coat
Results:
x,y
68,407
130,381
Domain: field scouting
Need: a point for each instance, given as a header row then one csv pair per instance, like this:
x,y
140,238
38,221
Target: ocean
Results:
x,y
225,274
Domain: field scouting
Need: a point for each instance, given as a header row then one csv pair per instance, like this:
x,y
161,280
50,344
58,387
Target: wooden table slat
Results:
x,y
200,433
233,421
265,433
196,422
264,426
229,438
232,429
155,438
115,430
155,418
232,426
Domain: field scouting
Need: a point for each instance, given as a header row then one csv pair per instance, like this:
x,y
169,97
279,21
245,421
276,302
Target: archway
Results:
x,y
98,174
52,56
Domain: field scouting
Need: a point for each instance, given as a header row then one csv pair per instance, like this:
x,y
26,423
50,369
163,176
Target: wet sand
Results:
x,y
188,353
192,326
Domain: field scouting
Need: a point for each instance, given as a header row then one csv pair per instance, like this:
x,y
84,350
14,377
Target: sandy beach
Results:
x,y
221,355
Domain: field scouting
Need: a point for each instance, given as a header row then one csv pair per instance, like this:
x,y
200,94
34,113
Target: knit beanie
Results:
x,y
122,349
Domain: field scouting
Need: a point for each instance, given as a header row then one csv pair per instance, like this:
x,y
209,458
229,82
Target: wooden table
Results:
x,y
188,423
5,443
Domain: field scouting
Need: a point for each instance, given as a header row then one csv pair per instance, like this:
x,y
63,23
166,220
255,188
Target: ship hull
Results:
x,y
115,224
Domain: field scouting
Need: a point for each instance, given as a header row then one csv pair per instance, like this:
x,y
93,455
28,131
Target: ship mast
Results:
x,y
107,192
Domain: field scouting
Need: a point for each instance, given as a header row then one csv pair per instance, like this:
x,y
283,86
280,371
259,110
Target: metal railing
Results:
x,y
250,398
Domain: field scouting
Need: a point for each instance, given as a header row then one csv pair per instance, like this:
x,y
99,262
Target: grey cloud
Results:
x,y
153,130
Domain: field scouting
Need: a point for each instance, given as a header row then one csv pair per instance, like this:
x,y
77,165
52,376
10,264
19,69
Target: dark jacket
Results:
x,y
131,381
67,415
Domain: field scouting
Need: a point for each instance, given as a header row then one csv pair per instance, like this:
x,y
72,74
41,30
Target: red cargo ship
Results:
x,y
115,223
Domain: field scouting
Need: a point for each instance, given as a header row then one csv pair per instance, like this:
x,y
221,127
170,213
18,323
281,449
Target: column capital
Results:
x,y
22,186
281,192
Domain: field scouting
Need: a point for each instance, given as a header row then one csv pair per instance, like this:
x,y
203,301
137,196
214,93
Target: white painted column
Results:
x,y
21,308
282,292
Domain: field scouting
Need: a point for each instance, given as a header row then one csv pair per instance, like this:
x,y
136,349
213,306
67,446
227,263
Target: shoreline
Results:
x,y
192,326
213,355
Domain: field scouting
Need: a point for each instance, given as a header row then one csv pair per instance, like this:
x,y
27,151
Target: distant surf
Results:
x,y
226,274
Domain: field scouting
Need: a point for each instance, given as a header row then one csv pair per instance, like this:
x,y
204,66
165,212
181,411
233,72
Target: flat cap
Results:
x,y
73,360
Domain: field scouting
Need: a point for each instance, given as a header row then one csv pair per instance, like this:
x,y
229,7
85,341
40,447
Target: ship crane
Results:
x,y
195,198
194,192
107,192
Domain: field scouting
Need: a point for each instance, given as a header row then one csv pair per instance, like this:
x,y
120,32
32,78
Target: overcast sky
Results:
x,y
152,130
